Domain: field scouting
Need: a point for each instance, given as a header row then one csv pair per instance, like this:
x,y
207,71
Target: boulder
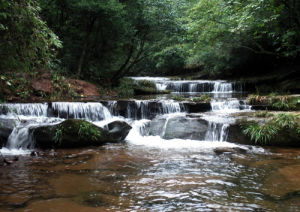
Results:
x,y
235,135
78,133
6,127
179,127
230,150
197,107
118,130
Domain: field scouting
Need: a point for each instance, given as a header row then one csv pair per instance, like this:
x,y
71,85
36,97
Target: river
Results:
x,y
168,161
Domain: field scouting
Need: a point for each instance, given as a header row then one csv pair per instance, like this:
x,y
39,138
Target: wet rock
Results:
x,y
75,133
6,127
149,91
179,127
236,135
193,107
232,150
34,154
156,126
118,130
185,128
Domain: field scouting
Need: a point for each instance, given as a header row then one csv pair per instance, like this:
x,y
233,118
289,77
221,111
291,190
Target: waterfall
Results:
x,y
140,113
20,138
28,116
91,111
111,105
216,132
145,109
171,106
192,86
230,105
25,109
222,87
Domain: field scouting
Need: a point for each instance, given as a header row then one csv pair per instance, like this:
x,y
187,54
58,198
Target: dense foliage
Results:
x,y
234,34
108,39
26,42
104,40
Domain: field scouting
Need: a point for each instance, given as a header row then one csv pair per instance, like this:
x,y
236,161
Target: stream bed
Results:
x,y
168,161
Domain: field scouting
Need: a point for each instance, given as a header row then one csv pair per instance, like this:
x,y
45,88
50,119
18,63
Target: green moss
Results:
x,y
74,132
129,87
203,98
178,98
145,84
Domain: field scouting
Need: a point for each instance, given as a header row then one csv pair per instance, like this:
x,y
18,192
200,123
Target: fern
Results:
x,y
263,134
260,134
284,120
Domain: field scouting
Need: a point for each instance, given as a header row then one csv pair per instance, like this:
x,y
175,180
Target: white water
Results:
x,y
139,109
26,109
192,86
216,132
229,105
91,111
171,106
135,137
137,114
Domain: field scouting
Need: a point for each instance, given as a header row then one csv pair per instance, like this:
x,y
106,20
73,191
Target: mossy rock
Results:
x,y
70,134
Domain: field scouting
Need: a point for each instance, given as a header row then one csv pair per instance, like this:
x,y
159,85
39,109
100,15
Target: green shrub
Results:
x,y
126,87
146,83
282,123
284,120
203,98
178,98
260,133
62,88
276,102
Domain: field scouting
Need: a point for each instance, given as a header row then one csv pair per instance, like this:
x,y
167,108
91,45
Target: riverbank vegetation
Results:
x,y
276,129
204,98
276,102
103,41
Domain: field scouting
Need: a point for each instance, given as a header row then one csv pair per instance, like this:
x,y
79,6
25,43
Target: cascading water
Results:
x,y
26,109
229,105
192,86
28,116
92,111
172,107
216,132
139,113
222,87
146,109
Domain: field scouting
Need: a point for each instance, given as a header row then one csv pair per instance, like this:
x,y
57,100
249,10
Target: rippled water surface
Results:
x,y
124,177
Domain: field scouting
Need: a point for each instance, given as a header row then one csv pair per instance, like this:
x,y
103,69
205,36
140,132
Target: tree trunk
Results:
x,y
85,46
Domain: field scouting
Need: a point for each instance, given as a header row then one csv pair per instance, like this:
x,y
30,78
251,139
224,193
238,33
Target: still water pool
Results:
x,y
125,177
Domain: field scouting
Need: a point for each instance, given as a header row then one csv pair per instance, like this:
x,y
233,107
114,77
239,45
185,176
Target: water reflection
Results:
x,y
135,178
